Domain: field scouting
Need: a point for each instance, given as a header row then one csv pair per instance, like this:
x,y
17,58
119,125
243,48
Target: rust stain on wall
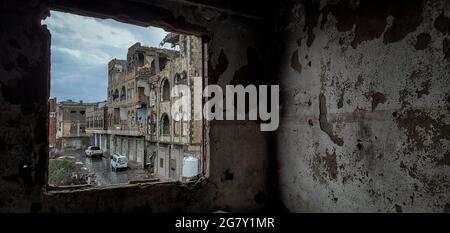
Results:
x,y
377,98
420,126
325,167
325,126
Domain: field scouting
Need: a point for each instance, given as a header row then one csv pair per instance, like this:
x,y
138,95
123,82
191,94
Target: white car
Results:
x,y
118,162
93,151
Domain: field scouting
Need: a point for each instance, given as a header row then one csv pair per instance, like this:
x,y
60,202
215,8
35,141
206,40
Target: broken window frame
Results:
x,y
116,94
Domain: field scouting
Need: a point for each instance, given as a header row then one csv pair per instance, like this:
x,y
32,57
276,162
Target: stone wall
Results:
x,y
366,98
364,116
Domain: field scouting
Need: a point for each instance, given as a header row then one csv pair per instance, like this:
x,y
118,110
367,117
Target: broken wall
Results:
x,y
365,93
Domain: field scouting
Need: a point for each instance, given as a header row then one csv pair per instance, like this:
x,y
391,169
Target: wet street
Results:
x,y
101,167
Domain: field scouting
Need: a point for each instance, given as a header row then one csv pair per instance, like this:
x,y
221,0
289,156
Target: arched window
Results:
x,y
165,90
115,95
177,78
140,59
132,90
123,93
165,125
152,68
152,123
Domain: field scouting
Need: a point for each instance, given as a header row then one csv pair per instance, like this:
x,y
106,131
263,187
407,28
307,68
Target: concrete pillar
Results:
x,y
125,147
140,152
111,145
78,128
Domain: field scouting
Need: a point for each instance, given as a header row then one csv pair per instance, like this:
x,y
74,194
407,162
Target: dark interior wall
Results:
x,y
364,118
238,180
365,94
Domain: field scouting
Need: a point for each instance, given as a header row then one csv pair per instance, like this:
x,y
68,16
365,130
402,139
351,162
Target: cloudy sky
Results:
x,y
81,48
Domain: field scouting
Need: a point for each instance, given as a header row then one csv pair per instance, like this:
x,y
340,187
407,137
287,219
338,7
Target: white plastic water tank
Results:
x,y
190,166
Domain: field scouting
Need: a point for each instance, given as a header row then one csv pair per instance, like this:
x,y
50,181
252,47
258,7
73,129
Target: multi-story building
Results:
x,y
170,140
71,125
52,123
128,97
96,125
138,112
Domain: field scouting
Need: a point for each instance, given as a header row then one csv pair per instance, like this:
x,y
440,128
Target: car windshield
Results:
x,y
95,148
122,160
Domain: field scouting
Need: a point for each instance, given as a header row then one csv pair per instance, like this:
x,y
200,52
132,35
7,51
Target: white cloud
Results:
x,y
72,52
92,56
89,31
82,47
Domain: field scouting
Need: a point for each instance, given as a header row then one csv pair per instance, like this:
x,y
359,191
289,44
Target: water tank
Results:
x,y
190,166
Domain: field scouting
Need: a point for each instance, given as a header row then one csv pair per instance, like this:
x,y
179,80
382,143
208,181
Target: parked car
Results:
x,y
118,162
93,151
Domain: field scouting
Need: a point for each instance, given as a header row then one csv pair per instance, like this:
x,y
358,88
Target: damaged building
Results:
x,y
52,103
169,140
71,125
136,120
364,107
96,123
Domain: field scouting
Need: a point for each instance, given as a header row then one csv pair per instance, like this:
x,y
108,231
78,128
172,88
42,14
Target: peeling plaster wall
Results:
x,y
365,93
238,180
364,120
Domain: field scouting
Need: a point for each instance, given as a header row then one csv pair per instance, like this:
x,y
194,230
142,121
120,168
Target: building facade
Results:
x,y
136,120
96,125
52,123
71,125
171,140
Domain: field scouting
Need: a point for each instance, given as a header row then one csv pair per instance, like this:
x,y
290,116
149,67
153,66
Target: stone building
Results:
x,y
128,97
136,119
52,123
170,140
71,125
96,125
